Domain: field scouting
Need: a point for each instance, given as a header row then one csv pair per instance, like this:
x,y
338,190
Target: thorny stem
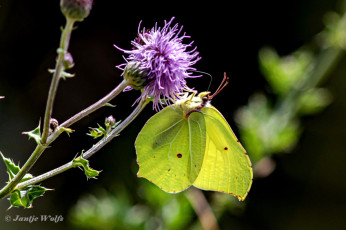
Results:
x,y
59,68
45,139
102,102
40,148
97,105
115,132
64,42
26,167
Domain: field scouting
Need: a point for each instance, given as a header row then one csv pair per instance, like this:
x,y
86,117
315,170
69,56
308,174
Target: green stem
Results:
x,y
64,43
323,65
102,102
288,107
12,184
115,132
97,105
40,148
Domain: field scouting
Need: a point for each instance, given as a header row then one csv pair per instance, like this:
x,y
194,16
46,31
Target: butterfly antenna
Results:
x,y
211,77
223,84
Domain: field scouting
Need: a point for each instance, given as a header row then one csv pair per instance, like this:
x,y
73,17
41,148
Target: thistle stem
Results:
x,y
26,167
97,105
40,148
102,102
115,132
45,139
59,68
64,42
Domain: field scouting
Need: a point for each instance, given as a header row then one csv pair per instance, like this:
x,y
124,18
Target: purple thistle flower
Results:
x,y
163,60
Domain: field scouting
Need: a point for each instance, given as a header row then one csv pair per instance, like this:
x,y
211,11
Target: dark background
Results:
x,y
306,191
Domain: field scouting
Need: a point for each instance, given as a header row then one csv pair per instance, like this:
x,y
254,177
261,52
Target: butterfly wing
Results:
x,y
226,166
170,149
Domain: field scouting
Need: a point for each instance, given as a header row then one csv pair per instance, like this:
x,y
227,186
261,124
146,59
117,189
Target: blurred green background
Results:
x,y
299,167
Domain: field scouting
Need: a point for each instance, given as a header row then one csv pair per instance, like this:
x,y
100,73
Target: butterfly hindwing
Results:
x,y
226,166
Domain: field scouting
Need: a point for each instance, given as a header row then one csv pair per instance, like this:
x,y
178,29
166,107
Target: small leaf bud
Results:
x,y
110,121
68,61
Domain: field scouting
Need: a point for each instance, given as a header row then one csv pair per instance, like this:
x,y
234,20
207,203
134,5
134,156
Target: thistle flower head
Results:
x,y
162,63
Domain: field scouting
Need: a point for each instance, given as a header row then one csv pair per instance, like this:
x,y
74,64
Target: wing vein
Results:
x,y
169,127
190,142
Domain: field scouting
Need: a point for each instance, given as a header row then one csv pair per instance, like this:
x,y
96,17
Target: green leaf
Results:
x,y
67,130
27,176
314,100
35,134
334,35
65,75
110,105
25,198
283,73
81,162
15,199
60,51
100,131
95,133
12,169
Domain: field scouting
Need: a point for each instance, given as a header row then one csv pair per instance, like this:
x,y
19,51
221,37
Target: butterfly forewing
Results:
x,y
170,149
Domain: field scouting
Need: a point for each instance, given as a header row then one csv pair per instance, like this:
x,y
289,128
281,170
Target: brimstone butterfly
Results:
x,y
191,143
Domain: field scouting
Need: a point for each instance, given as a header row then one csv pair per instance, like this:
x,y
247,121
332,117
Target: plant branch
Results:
x,y
59,68
102,102
26,167
64,42
323,65
87,111
115,132
40,148
203,209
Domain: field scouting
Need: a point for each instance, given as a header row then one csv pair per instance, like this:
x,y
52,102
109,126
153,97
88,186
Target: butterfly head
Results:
x,y
206,96
192,103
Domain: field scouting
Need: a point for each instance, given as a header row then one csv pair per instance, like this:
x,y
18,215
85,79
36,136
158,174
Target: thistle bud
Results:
x,y
110,121
68,61
76,9
136,76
